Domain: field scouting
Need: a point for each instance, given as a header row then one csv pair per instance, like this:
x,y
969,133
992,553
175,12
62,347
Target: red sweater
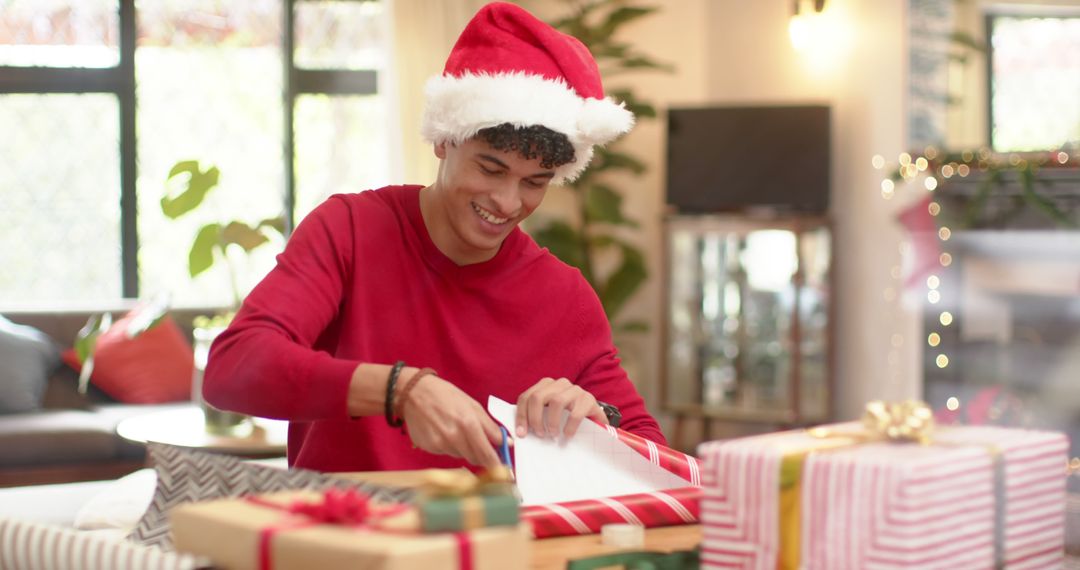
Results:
x,y
361,281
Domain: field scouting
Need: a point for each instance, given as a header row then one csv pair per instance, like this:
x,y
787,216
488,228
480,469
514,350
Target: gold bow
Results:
x,y
461,483
910,420
907,421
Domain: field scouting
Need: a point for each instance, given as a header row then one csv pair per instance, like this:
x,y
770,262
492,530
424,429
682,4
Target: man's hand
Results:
x,y
540,408
443,419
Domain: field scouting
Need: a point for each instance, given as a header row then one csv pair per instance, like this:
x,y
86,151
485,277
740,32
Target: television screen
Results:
x,y
731,159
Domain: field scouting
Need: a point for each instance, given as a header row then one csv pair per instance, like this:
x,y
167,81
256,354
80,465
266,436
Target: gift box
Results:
x,y
853,496
459,500
660,508
299,530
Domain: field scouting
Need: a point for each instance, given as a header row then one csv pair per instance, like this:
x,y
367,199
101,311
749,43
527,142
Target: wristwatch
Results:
x,y
612,413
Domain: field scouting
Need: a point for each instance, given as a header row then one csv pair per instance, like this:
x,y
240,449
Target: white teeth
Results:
x,y
488,217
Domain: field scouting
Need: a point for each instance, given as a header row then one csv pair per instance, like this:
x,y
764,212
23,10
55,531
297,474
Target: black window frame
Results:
x,y
120,81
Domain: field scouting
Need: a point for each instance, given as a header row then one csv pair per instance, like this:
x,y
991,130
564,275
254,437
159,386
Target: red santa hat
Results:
x,y
509,67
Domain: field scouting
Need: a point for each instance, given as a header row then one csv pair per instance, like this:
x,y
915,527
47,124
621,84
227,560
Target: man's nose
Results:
x,y
507,198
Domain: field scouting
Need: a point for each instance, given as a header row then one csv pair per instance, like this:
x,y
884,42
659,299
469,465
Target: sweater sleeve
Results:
x,y
265,363
602,374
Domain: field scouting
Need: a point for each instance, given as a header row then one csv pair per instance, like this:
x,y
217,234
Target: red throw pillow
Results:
x,y
156,366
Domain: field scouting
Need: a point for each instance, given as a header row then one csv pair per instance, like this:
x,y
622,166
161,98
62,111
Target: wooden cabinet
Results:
x,y
747,323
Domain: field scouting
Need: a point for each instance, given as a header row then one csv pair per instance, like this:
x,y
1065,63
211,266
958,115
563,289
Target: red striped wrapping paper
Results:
x,y
658,508
890,506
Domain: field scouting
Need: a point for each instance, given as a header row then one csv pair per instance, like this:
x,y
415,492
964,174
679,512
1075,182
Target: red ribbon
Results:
x,y
347,507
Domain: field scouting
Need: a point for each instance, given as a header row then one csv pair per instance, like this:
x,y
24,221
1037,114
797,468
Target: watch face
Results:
x,y
612,413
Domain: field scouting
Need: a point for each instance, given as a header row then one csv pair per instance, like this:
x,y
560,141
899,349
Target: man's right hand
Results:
x,y
443,419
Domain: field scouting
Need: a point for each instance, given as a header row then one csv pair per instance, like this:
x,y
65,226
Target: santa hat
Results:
x,y
509,67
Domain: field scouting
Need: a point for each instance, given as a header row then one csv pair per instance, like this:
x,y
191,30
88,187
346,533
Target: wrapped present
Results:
x,y
335,529
655,509
459,500
890,492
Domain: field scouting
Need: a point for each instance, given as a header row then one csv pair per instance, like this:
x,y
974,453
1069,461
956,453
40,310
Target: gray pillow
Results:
x,y
27,358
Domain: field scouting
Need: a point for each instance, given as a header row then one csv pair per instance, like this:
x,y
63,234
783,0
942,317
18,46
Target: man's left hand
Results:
x,y
540,408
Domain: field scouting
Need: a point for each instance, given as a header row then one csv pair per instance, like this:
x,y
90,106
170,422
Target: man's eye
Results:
x,y
489,171
533,183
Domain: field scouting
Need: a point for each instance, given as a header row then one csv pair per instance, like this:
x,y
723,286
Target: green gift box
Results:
x,y
445,514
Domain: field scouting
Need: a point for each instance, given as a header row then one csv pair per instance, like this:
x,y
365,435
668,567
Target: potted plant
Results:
x,y
217,242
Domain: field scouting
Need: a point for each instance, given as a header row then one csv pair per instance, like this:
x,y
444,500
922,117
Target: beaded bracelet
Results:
x,y
403,394
388,403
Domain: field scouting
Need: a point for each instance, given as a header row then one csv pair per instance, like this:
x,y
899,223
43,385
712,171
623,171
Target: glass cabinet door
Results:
x,y
747,318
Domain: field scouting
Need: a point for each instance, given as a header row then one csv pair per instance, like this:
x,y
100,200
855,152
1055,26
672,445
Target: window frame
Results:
x,y
120,81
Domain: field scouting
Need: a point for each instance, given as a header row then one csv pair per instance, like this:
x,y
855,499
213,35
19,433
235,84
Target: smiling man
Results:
x,y
393,314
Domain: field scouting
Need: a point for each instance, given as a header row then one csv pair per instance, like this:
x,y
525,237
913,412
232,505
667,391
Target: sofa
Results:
x,y
72,436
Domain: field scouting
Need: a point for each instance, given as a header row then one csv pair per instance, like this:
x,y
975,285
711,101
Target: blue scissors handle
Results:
x,y
504,448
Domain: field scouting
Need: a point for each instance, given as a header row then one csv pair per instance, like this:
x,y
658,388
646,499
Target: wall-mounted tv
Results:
x,y
737,159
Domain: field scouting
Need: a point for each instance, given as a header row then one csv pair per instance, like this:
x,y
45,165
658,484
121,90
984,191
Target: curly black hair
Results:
x,y
551,147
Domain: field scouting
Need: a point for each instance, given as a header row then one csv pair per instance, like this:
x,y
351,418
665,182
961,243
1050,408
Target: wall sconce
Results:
x,y
803,17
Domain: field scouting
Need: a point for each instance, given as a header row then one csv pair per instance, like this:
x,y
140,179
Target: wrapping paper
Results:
x,y
247,534
975,497
661,508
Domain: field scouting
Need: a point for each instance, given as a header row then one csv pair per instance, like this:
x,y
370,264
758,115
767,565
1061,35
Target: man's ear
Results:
x,y
440,150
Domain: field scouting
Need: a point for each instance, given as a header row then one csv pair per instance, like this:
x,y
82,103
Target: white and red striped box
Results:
x,y
976,497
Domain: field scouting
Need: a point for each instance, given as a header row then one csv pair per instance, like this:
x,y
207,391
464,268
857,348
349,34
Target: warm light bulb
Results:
x,y
799,31
879,161
942,361
933,339
952,404
945,319
930,183
933,282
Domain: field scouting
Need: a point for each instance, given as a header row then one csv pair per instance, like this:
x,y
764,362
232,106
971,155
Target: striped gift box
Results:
x,y
25,545
659,508
976,497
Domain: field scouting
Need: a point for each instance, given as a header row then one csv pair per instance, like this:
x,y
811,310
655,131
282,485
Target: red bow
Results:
x,y
346,507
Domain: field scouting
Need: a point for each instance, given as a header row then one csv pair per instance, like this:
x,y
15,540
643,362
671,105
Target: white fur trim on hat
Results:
x,y
458,107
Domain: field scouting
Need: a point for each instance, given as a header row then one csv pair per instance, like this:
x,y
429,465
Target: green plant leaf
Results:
x,y
624,281
277,223
632,327
201,256
607,159
603,204
242,235
967,40
562,241
617,18
191,192
643,62
633,104
86,344
1040,202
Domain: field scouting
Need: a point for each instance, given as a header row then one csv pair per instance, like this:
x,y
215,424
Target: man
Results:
x,y
442,278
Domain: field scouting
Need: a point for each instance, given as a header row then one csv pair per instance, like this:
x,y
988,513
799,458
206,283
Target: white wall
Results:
x,y
860,69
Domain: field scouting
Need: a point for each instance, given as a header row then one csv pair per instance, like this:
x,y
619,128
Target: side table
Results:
x,y
186,427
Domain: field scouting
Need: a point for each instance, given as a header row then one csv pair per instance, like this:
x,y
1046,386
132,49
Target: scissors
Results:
x,y
504,450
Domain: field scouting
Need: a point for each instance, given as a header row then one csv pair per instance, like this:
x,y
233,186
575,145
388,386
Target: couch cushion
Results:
x,y
153,366
56,437
27,359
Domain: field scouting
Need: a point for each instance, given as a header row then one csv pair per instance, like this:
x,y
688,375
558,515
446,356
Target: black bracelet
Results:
x,y
388,405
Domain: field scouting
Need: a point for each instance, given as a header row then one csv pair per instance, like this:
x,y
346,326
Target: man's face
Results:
x,y
485,194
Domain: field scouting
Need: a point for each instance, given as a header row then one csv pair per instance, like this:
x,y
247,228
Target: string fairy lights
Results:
x,y
936,167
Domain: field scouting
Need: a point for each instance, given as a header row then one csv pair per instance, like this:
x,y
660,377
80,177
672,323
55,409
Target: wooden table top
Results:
x,y
553,553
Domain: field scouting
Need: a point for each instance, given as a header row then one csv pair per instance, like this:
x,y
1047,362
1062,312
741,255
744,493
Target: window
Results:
x,y
100,98
1034,80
